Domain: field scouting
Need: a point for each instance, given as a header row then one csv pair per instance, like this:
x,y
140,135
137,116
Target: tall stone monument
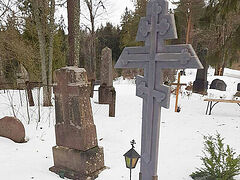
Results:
x,y
77,154
157,26
106,91
200,85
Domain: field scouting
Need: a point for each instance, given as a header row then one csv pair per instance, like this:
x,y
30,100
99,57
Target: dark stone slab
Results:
x,y
107,95
238,87
112,105
200,85
78,165
218,85
12,128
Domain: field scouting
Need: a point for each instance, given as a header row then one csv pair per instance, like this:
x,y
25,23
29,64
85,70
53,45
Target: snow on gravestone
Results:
x,y
12,128
154,29
77,153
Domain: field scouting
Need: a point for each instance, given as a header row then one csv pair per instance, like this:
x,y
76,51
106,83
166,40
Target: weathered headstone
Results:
x,y
106,76
106,91
154,29
12,128
77,153
200,85
238,87
218,85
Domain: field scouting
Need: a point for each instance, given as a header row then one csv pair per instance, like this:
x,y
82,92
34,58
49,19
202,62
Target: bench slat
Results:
x,y
223,100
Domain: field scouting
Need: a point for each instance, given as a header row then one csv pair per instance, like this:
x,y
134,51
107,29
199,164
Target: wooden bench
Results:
x,y
213,102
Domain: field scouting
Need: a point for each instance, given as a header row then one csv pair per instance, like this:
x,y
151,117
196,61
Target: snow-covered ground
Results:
x,y
181,140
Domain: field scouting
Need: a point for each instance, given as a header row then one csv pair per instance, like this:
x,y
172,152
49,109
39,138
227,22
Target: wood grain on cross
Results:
x,y
178,84
154,29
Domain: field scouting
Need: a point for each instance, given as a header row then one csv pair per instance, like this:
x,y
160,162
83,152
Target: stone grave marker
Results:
x,y
200,85
218,85
238,87
154,29
77,154
12,128
106,91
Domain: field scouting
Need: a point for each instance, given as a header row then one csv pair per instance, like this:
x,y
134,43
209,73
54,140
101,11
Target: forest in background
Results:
x,y
31,37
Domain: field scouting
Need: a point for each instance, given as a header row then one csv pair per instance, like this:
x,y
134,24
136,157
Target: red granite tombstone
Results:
x,y
12,128
77,154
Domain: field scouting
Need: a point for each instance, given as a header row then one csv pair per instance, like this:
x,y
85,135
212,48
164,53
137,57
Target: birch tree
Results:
x,y
43,12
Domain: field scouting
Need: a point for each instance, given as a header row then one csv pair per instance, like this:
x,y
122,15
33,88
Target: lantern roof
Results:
x,y
132,154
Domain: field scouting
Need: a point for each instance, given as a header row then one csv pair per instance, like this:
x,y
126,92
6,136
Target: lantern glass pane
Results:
x,y
134,162
128,161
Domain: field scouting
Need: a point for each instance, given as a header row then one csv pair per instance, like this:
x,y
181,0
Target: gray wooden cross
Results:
x,y
157,26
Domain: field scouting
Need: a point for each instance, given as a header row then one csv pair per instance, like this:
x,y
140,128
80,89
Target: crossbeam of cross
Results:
x,y
154,29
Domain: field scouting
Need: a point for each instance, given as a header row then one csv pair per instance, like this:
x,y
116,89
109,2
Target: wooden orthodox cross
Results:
x,y
178,84
157,26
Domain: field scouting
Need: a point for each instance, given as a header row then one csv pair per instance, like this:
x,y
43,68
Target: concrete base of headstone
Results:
x,y
200,86
107,95
81,138
78,165
12,128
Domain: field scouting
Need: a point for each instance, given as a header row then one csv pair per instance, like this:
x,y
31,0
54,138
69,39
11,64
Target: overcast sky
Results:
x,y
118,8
114,11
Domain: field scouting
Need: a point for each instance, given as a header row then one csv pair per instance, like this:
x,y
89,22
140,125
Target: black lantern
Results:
x,y
131,158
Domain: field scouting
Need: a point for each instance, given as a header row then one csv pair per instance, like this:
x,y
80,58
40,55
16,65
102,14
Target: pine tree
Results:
x,y
222,17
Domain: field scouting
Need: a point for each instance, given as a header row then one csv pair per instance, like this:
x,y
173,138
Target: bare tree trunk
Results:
x,y
42,46
28,115
40,13
217,70
73,8
189,24
50,55
29,93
